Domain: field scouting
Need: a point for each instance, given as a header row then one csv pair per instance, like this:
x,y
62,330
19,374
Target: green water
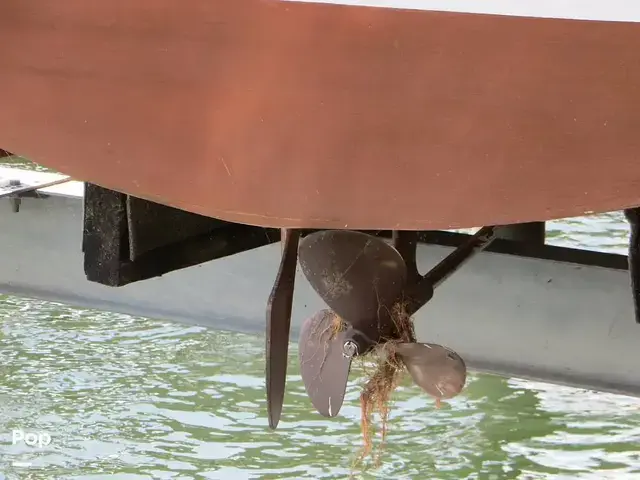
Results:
x,y
131,398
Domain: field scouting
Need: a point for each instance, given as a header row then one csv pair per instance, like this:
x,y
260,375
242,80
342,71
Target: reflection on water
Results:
x,y
132,399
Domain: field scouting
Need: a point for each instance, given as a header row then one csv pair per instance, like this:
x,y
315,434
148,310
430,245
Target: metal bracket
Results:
x,y
419,291
15,190
7,189
11,185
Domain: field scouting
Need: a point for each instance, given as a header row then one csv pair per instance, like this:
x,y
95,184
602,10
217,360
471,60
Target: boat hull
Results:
x,y
286,114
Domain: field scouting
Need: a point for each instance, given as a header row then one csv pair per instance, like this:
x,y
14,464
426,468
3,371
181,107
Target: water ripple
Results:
x,y
125,397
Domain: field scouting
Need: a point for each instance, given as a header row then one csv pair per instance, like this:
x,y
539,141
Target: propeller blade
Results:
x,y
356,274
323,364
439,371
279,324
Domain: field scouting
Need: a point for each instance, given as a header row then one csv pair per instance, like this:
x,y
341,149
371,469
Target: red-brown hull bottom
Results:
x,y
324,116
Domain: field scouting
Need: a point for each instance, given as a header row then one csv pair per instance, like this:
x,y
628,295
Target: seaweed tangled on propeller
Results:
x,y
372,289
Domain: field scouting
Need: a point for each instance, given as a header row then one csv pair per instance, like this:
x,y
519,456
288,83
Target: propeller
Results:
x,y
362,278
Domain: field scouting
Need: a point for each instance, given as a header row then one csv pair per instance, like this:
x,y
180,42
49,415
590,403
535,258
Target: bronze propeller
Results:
x,y
362,279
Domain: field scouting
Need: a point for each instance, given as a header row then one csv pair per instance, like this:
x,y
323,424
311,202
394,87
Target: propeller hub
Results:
x,y
349,349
